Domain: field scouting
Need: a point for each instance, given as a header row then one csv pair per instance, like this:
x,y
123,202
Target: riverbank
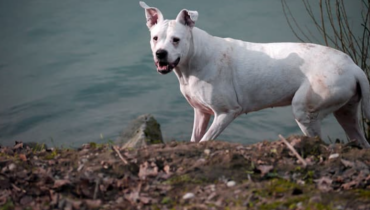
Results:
x,y
183,175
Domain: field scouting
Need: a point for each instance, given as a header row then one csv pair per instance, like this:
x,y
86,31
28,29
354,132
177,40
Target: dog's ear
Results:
x,y
187,17
152,14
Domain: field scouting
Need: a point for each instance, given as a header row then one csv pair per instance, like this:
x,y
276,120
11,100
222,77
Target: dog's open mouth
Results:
x,y
163,67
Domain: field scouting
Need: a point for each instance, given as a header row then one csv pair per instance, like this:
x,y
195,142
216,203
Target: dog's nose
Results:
x,y
161,54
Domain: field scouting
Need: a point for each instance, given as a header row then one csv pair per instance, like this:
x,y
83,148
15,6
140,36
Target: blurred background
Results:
x,y
73,72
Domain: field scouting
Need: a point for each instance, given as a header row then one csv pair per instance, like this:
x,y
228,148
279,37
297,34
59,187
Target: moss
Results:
x,y
276,187
166,200
93,145
8,205
318,206
183,179
363,193
311,147
268,206
292,203
153,131
281,186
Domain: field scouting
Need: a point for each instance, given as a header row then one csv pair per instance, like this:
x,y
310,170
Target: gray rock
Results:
x,y
142,131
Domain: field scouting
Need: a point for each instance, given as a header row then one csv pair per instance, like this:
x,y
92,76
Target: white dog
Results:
x,y
226,77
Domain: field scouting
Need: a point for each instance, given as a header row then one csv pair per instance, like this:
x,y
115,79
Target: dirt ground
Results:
x,y
179,175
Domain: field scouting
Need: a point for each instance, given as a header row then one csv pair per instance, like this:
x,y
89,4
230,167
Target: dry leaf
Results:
x,y
347,163
93,204
324,184
167,169
18,145
146,170
60,183
349,185
264,169
22,157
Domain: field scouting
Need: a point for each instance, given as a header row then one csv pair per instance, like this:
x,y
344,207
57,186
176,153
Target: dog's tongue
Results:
x,y
162,67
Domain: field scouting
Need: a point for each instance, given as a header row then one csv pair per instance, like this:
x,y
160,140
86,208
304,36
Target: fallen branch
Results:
x,y
293,150
119,155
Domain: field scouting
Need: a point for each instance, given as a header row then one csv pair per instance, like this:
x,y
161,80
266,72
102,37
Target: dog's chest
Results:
x,y
196,100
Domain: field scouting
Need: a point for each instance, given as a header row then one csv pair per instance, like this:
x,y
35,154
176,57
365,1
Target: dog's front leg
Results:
x,y
220,122
201,120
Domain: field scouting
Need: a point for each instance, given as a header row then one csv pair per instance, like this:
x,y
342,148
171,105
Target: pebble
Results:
x,y
231,183
332,156
207,151
188,196
11,167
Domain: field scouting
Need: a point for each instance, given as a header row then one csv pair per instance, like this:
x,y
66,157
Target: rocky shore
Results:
x,y
183,175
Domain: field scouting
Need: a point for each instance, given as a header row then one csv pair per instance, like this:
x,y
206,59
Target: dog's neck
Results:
x,y
198,56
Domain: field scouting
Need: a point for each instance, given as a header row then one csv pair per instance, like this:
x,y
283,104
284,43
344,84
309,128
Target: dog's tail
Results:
x,y
365,91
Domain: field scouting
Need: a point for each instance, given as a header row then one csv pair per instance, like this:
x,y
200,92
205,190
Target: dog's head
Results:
x,y
169,39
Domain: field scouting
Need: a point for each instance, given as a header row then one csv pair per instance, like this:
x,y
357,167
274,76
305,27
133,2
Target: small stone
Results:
x,y
120,200
11,167
332,156
188,196
207,151
231,183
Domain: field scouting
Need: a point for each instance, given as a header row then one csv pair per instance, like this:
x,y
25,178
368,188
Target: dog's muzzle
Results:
x,y
164,67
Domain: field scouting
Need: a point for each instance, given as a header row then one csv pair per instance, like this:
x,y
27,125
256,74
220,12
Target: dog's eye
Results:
x,y
175,40
155,38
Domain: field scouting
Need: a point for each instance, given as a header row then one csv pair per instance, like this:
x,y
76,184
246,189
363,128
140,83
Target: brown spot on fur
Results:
x,y
225,59
307,46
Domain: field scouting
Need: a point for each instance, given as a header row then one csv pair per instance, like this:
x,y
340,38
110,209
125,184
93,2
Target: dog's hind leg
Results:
x,y
314,100
347,117
306,115
309,123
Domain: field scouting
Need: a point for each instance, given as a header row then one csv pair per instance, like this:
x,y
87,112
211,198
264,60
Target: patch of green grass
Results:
x,y
94,145
51,155
39,147
309,177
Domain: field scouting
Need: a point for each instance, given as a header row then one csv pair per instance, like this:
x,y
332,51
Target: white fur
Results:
x,y
225,77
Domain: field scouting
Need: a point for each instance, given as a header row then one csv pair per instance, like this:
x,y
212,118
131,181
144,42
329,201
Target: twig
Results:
x,y
16,188
323,24
97,182
119,155
293,150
